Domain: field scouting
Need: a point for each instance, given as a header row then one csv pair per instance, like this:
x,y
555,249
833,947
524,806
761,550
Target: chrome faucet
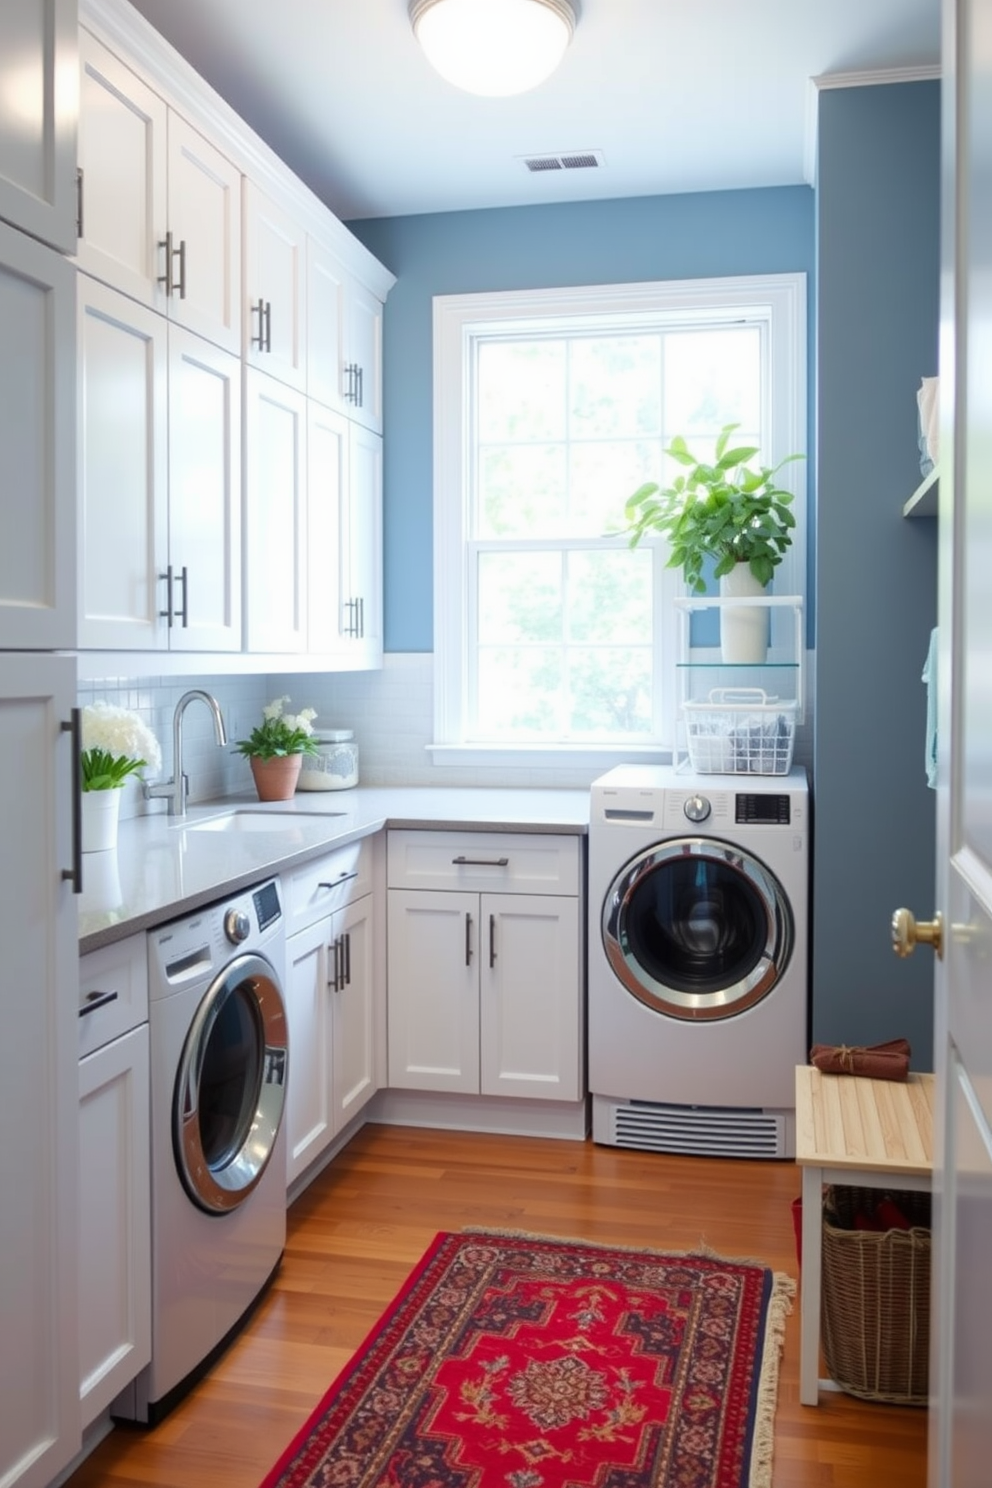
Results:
x,y
175,790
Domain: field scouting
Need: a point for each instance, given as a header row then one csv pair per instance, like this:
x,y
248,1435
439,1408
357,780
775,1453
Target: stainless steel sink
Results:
x,y
246,820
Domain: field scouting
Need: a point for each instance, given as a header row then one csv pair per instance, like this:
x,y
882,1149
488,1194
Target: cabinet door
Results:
x,y
363,353
123,471
353,1037
205,223
114,1232
275,290
361,548
39,1382
309,1110
327,487
275,515
432,956
122,158
204,494
326,295
37,437
530,997
39,106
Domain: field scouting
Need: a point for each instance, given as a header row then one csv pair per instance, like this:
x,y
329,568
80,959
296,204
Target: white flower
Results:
x,y
302,720
274,709
120,733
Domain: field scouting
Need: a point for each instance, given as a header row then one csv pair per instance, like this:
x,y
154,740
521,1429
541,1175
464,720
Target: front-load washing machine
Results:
x,y
219,1057
698,978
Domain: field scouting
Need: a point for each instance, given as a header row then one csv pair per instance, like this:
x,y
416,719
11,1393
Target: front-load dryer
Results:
x,y
219,1064
698,979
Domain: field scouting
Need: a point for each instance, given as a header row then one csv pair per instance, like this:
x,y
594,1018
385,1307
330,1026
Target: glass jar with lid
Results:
x,y
334,766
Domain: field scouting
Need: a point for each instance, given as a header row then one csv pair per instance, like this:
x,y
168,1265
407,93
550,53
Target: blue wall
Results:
x,y
877,275
666,237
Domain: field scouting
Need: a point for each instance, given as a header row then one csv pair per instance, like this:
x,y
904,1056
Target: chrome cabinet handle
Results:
x,y
74,728
184,580
468,940
166,278
361,618
463,862
166,614
259,340
332,980
268,325
79,201
181,251
94,1000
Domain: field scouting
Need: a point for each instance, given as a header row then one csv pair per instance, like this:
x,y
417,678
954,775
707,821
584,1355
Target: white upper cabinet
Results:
x,y
37,421
160,206
275,515
39,103
159,481
275,329
344,543
344,339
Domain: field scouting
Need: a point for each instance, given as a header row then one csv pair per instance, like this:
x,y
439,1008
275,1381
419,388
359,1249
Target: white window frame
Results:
x,y
776,302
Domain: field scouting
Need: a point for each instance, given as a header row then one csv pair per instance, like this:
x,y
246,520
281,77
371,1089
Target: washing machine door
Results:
x,y
231,1085
697,929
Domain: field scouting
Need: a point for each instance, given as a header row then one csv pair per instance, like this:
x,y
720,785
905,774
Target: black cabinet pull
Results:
x,y
74,728
166,614
184,580
94,1000
468,940
492,941
347,957
343,878
463,862
259,340
181,252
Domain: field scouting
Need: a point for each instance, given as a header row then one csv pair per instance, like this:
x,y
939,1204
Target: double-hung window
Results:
x,y
553,637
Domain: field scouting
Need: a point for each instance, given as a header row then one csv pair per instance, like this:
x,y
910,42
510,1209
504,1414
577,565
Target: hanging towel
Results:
x,y
930,678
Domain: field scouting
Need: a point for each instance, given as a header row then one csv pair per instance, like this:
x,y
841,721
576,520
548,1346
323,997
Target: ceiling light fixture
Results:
x,y
493,47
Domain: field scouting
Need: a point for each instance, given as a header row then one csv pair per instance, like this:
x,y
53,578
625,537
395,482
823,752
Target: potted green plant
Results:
x,y
275,749
726,512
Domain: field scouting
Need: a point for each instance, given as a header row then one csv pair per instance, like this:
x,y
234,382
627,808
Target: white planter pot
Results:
x,y
100,811
743,628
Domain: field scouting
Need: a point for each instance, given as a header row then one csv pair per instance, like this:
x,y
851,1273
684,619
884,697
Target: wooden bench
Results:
x,y
868,1133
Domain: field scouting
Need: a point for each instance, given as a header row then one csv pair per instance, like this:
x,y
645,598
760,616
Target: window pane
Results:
x,y
521,391
522,490
609,597
520,693
601,478
615,386
713,378
611,693
520,598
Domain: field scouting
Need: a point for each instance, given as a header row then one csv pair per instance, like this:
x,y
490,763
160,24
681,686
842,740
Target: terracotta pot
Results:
x,y
275,779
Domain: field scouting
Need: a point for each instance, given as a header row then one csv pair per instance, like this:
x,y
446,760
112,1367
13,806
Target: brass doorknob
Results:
x,y
908,932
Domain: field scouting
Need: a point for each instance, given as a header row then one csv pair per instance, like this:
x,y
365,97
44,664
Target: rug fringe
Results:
x,y
763,1444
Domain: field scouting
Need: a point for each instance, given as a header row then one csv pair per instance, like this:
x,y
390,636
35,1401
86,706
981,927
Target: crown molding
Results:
x,y
870,79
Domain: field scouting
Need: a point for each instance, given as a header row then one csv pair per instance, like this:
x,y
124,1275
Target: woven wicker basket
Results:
x,y
876,1298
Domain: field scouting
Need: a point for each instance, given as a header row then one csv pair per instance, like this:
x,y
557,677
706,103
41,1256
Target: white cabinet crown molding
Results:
x,y
120,27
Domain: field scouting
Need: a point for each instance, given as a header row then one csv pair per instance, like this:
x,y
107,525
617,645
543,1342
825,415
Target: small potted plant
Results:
x,y
726,512
275,749
116,744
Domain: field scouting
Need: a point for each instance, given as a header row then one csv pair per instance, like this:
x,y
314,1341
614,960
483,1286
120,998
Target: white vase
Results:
x,y
100,812
743,628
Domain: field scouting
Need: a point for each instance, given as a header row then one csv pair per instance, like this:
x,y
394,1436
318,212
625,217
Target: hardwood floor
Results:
x,y
358,1229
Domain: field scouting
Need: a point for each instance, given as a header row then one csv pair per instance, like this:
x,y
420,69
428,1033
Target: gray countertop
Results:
x,y
166,866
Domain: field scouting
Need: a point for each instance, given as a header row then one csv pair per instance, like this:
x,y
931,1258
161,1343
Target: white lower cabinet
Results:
x,y
113,1237
485,983
330,1000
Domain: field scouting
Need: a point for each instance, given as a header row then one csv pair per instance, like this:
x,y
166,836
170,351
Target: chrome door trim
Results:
x,y
673,1001
223,1188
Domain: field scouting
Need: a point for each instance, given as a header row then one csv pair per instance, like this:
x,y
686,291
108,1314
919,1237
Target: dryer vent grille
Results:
x,y
702,1131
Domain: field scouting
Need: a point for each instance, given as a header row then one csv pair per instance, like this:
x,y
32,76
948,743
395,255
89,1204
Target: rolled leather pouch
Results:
x,y
889,1061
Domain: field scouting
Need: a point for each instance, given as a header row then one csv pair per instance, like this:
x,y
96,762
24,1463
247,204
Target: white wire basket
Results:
x,y
740,731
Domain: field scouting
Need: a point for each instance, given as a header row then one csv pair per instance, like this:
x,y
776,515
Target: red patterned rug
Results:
x,y
514,1361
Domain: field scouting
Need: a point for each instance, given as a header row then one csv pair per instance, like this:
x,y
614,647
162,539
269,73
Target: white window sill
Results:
x,y
551,757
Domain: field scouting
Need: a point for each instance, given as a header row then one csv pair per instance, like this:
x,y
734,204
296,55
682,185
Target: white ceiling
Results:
x,y
678,95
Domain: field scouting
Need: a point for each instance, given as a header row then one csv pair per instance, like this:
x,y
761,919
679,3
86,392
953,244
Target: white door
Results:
x,y
37,438
123,471
122,160
205,228
327,487
361,550
309,1111
39,1380
274,290
39,104
204,494
363,355
354,1034
529,996
275,535
961,1423
326,290
433,979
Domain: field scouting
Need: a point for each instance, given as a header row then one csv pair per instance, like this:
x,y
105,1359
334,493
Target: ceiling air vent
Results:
x,y
574,160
